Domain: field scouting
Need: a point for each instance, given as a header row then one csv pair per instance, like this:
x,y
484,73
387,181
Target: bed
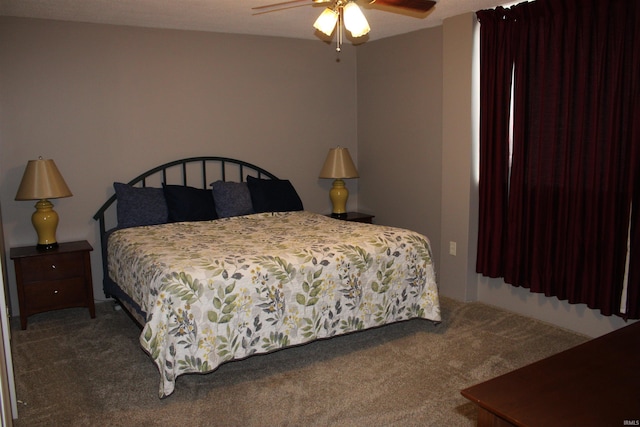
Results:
x,y
252,271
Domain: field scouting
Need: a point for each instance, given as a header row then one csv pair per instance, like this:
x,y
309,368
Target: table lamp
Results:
x,y
42,181
339,166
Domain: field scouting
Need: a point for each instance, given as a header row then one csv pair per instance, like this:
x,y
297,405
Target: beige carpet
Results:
x,y
75,371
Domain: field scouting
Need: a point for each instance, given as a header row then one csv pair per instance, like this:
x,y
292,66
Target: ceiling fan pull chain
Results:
x,y
339,36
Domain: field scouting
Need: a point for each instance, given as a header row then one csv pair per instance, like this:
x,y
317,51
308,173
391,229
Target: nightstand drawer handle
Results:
x,y
55,292
53,266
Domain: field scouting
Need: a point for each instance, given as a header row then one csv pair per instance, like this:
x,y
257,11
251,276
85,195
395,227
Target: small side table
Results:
x,y
356,217
52,280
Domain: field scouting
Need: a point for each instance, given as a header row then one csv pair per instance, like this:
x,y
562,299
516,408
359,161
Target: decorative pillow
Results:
x,y
188,203
140,205
273,195
231,199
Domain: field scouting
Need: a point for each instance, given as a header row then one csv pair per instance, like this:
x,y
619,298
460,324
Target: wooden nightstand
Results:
x,y
52,280
356,217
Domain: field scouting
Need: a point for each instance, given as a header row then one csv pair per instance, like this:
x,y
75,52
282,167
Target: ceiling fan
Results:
x,y
346,13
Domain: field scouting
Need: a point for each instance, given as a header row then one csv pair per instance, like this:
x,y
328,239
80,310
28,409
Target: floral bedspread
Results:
x,y
226,289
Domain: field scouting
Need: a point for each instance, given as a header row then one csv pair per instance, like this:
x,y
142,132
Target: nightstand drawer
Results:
x,y
54,294
53,279
61,266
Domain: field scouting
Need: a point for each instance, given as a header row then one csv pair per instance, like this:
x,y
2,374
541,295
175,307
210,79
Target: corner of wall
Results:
x,y
457,271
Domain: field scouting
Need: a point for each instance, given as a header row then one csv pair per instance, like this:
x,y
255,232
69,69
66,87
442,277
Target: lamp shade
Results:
x,y
326,22
339,165
42,180
354,20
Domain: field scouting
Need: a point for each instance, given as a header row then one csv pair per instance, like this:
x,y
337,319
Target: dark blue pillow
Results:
x,y
273,195
231,199
188,203
139,206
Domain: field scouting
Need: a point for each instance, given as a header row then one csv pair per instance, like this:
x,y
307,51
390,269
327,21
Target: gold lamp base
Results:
x,y
339,195
45,221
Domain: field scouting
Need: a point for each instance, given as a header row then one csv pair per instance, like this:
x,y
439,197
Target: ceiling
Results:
x,y
234,16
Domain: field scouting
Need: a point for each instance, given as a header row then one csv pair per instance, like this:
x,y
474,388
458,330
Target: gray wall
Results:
x,y
400,131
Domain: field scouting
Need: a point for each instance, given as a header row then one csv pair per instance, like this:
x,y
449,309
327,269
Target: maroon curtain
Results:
x,y
496,68
575,156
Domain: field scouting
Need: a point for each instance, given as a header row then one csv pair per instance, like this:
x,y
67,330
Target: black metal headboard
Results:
x,y
197,172
223,167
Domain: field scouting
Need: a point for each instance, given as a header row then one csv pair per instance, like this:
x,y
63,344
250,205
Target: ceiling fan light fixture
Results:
x,y
327,21
354,20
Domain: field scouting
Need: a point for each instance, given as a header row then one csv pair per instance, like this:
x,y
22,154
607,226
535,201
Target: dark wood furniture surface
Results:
x,y
53,279
594,384
356,217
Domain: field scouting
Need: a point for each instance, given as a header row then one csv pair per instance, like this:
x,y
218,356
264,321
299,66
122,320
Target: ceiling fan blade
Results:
x,y
285,3
263,12
415,5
